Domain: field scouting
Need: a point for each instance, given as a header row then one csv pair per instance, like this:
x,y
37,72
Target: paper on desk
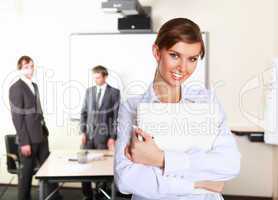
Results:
x,y
74,166
90,156
180,126
94,156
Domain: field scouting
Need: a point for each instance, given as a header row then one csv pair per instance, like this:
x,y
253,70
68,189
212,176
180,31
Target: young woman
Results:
x,y
146,171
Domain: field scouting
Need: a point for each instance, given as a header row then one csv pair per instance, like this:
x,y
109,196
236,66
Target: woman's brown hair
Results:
x,y
179,30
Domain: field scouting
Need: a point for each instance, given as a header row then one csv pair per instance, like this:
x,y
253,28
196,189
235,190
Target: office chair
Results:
x,y
12,154
12,158
13,162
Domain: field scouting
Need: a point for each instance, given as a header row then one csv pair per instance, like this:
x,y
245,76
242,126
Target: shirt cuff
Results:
x,y
175,161
173,185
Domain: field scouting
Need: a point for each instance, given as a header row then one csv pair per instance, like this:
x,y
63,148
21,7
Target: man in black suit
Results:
x,y
32,133
99,117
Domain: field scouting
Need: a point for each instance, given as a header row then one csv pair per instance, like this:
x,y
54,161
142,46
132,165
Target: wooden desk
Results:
x,y
58,168
254,134
246,130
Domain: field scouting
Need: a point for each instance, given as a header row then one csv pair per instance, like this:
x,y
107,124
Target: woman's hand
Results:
x,y
144,152
213,186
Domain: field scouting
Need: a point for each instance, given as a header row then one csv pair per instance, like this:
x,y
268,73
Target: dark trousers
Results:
x,y
40,152
87,186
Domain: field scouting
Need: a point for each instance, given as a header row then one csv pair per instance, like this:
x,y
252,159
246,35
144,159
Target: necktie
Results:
x,y
98,98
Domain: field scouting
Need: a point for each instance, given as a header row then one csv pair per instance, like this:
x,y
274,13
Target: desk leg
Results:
x,y
42,189
113,191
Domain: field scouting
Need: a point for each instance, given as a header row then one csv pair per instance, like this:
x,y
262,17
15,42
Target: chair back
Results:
x,y
11,148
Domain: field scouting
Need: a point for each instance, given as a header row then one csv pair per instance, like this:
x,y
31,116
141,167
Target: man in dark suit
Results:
x,y
99,117
32,133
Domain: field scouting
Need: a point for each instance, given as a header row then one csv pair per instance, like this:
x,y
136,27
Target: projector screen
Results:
x,y
128,58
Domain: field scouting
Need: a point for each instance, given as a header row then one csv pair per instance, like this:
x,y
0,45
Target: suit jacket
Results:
x,y
101,123
26,113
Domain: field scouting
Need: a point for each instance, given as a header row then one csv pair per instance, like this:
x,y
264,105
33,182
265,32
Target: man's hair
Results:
x,y
100,69
20,61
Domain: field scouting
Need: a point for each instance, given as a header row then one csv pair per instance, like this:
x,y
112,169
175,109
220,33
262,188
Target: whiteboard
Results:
x,y
128,58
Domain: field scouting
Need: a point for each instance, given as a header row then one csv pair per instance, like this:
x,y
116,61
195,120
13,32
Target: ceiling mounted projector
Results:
x,y
136,18
125,7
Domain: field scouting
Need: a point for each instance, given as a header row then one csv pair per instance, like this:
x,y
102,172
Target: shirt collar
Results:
x,y
102,87
26,80
187,94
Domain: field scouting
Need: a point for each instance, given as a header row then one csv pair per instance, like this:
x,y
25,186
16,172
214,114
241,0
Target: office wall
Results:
x,y
275,149
255,177
241,47
275,8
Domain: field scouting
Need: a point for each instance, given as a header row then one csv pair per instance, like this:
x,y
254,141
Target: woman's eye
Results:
x,y
173,55
193,59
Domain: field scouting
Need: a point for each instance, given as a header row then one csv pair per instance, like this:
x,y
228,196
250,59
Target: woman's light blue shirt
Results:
x,y
182,169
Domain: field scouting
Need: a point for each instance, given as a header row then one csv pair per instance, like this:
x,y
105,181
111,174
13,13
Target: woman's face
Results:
x,y
176,64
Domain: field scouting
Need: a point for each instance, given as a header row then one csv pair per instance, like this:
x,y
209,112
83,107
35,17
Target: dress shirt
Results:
x,y
28,83
103,88
182,169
